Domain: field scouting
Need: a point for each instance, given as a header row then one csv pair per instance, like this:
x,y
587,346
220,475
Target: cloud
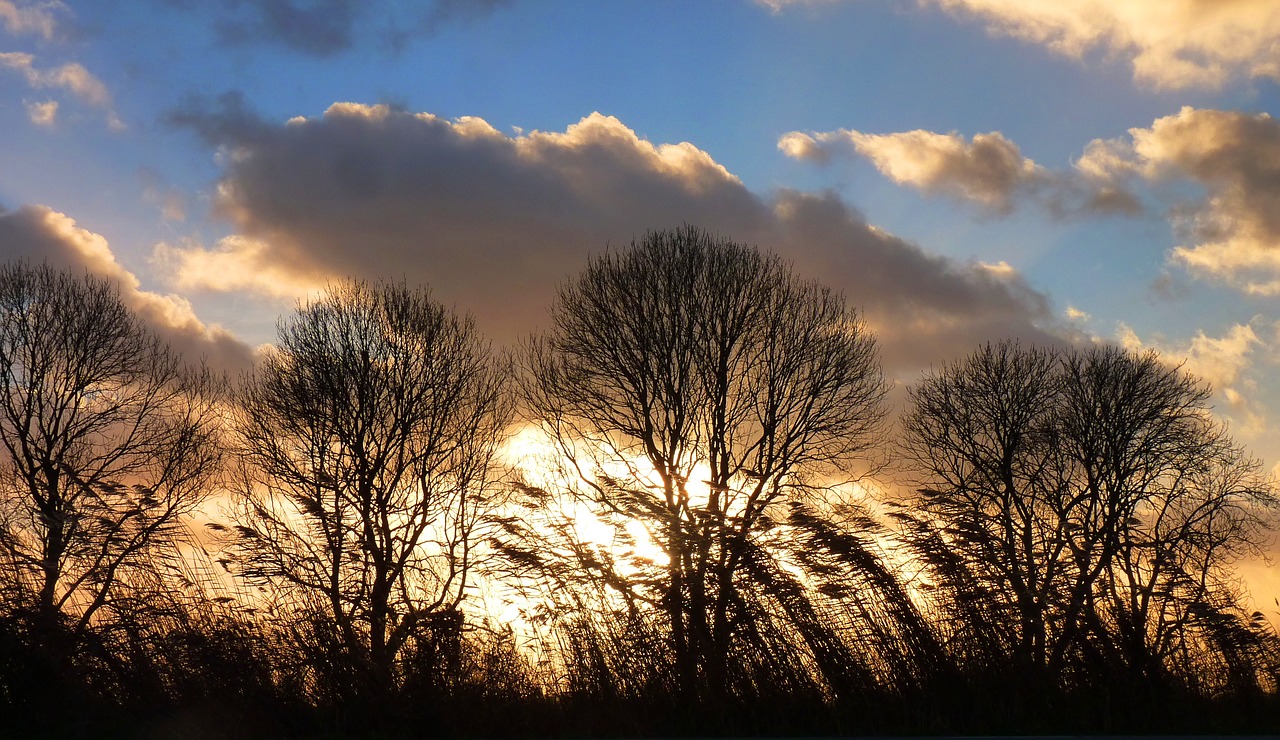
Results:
x,y
777,6
40,234
71,77
155,191
1231,234
43,114
1225,363
1170,43
446,10
440,13
494,221
31,18
1235,158
988,170
222,121
235,263
318,27
323,28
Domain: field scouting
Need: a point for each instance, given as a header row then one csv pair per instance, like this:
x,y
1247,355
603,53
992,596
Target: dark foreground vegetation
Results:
x,y
721,528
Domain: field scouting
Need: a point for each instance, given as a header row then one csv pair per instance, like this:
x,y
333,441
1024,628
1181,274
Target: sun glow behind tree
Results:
x,y
697,385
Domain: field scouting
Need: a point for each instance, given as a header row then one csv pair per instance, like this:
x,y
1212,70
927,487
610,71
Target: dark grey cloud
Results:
x,y
440,13
494,222
323,28
225,120
317,27
39,234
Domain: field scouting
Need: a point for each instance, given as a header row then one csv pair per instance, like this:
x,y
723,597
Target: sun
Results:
x,y
542,464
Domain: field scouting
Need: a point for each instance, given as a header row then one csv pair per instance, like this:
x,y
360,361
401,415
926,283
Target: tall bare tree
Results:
x,y
979,434
106,442
696,384
1088,493
1164,502
368,435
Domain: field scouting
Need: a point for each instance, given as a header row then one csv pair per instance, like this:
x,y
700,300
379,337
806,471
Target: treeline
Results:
x,y
343,543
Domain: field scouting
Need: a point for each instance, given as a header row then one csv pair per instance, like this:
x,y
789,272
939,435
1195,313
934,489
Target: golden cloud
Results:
x,y
1235,157
1170,43
988,169
40,234
494,221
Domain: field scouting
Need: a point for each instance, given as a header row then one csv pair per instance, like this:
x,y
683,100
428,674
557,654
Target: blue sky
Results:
x,y
963,170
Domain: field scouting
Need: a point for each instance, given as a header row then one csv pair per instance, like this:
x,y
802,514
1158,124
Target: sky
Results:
x,y
1057,171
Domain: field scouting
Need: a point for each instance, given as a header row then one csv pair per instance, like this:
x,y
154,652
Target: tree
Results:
x,y
1089,493
979,434
369,433
695,384
108,441
1165,502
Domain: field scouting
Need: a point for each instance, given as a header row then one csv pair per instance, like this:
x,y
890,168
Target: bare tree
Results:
x,y
979,434
1088,492
107,443
369,435
1164,502
694,384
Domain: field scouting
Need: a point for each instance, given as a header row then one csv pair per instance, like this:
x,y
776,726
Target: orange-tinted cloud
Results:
x,y
1233,233
40,234
1170,43
988,170
495,221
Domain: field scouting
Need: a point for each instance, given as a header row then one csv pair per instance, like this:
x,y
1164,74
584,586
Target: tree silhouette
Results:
x,y
696,385
107,443
368,436
1165,501
697,542
1089,495
980,434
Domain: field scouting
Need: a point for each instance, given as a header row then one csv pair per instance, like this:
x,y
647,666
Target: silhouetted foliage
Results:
x,y
108,442
367,435
701,549
1079,509
695,384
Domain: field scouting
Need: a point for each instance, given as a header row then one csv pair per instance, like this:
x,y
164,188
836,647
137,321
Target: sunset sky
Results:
x,y
963,170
